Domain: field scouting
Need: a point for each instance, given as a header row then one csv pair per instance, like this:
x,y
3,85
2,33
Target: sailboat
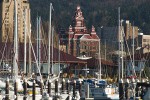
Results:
x,y
99,89
15,77
51,74
15,58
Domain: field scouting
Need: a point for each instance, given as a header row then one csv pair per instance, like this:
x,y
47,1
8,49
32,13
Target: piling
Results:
x,y
63,81
142,89
74,88
87,89
69,97
67,87
137,90
16,89
80,84
94,83
7,89
121,93
41,87
127,90
25,89
33,91
49,87
142,92
56,87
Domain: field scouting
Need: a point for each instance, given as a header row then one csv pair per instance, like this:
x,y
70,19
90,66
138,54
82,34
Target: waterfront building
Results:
x,y
80,40
143,43
7,19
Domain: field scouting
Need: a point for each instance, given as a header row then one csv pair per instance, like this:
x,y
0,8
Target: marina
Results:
x,y
66,90
51,65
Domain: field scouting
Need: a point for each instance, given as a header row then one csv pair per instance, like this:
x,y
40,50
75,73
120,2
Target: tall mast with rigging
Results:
x,y
52,50
25,40
49,39
37,47
119,67
99,57
133,68
15,58
121,40
38,41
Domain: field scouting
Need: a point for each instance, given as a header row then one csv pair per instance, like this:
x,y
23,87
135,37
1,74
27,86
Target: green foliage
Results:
x,y
81,76
147,71
96,12
89,76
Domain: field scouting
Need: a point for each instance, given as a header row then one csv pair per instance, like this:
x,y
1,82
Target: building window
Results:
x,y
6,6
6,10
6,1
6,25
6,21
85,47
94,47
144,40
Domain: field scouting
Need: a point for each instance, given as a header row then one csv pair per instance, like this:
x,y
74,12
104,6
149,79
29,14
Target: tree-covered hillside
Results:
x,y
96,12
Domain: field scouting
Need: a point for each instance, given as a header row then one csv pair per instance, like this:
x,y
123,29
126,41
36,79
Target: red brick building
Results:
x,y
79,39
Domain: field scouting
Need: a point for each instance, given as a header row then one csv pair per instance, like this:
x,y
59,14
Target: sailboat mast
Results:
x,y
105,49
49,39
25,40
52,48
59,53
121,33
29,70
133,50
15,59
99,57
37,47
119,42
39,43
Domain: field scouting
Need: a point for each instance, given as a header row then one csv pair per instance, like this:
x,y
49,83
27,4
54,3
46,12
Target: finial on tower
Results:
x,y
78,7
93,28
70,28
